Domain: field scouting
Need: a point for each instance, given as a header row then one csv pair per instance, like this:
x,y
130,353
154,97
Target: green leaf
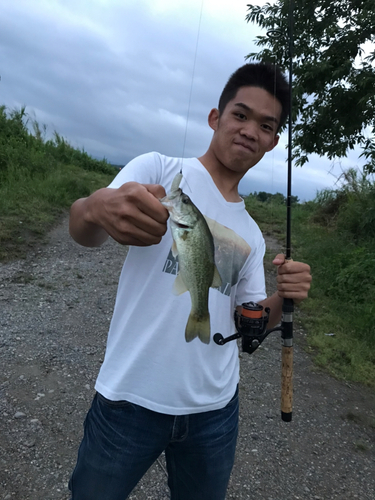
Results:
x,y
333,82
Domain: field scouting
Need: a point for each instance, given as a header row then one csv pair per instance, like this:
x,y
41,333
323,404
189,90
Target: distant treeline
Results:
x,y
277,198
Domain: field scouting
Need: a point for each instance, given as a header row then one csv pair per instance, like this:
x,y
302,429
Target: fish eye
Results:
x,y
185,199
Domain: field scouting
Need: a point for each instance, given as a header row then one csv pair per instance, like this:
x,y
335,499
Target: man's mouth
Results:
x,y
246,146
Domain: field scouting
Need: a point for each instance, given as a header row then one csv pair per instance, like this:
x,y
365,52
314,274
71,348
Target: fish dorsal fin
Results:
x,y
179,286
216,281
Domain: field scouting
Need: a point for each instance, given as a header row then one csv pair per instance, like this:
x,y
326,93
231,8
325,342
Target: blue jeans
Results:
x,y
122,440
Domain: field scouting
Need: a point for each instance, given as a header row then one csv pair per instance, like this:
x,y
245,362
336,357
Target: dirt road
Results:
x,y
55,308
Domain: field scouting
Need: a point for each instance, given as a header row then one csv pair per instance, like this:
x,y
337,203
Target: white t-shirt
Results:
x,y
147,360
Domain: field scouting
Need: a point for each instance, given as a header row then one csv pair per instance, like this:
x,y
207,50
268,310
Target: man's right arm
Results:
x,y
131,215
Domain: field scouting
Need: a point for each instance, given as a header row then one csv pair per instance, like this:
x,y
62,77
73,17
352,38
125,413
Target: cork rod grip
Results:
x,y
286,383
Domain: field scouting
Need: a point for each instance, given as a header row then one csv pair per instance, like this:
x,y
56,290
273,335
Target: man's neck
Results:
x,y
226,181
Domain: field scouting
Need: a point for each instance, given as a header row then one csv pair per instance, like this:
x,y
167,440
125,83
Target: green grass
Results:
x,y
342,302
31,207
271,217
342,258
39,180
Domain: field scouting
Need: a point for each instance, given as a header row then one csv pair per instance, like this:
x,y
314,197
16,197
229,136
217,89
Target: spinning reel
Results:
x,y
251,327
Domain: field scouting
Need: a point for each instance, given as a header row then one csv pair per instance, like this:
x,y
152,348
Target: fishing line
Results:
x,y
273,151
274,33
191,84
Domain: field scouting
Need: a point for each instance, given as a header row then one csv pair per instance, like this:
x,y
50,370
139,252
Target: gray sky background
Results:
x,y
114,77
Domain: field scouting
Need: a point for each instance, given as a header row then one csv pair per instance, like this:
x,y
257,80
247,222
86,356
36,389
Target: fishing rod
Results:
x,y
288,304
250,320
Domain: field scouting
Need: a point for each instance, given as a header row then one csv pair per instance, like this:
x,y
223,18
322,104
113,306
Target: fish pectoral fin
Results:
x,y
198,327
174,249
179,286
216,281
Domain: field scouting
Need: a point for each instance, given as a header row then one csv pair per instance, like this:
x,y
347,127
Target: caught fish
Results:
x,y
194,245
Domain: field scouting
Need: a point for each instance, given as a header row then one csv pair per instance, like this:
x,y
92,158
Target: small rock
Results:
x,y
19,414
30,443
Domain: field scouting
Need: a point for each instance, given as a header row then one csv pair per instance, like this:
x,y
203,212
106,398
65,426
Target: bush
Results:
x,y
38,180
334,234
354,276
351,208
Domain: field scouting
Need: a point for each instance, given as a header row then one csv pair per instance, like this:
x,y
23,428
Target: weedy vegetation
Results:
x,y
39,179
335,234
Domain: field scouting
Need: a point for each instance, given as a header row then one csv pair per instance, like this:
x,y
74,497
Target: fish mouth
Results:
x,y
167,201
180,225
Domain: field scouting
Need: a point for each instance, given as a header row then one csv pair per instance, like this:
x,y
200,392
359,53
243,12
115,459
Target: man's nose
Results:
x,y
250,130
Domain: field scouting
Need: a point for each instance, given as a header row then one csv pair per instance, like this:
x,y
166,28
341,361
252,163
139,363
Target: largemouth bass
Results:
x,y
194,245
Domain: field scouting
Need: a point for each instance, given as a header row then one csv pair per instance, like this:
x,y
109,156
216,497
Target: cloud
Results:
x,y
83,63
122,78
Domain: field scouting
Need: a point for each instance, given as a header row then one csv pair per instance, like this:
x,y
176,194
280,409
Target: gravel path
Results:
x,y
55,309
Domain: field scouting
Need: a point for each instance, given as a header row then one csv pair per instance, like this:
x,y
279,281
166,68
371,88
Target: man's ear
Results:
x,y
213,118
274,143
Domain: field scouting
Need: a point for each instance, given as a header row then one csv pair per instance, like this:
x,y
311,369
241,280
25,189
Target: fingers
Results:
x,y
151,204
133,215
156,190
279,259
144,206
144,218
293,279
290,267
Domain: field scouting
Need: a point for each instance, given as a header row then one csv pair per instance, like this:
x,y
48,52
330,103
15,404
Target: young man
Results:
x,y
155,391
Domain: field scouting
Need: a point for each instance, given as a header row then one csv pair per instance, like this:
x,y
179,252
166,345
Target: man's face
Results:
x,y
246,130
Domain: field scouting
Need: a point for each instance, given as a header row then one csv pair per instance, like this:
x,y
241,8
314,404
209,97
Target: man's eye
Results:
x,y
267,127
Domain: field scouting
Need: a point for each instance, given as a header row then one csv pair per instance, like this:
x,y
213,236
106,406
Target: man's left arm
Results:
x,y
293,282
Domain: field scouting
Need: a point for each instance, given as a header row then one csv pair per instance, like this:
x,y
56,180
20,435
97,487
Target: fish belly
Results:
x,y
196,266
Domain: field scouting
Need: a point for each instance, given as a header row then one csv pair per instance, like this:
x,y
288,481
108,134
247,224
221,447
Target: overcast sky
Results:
x,y
115,77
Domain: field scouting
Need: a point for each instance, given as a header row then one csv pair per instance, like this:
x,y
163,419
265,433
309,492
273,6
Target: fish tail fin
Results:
x,y
198,327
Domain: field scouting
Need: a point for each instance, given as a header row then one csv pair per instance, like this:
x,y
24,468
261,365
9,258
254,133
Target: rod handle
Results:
x,y
286,383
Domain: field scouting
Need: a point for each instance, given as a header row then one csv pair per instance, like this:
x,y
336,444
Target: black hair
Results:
x,y
266,76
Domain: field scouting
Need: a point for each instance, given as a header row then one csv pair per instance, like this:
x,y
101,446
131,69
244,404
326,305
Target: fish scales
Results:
x,y
194,245
196,262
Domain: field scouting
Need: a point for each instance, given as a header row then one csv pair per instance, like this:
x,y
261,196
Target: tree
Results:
x,y
294,200
263,196
333,77
277,199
